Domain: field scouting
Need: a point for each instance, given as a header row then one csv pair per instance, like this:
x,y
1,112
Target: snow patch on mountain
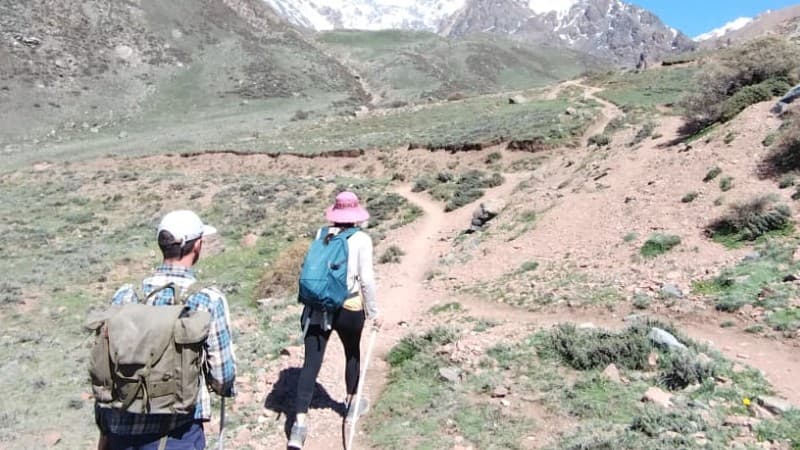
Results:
x,y
733,25
561,7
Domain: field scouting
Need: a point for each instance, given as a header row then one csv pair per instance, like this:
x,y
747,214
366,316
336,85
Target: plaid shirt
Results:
x,y
220,368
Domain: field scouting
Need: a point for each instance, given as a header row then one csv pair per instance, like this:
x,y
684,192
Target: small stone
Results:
x,y
122,135
587,326
611,373
451,374
249,240
52,438
743,356
658,396
652,360
505,403
760,412
499,392
671,291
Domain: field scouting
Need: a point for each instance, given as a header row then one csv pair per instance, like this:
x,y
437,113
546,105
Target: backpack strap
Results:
x,y
180,295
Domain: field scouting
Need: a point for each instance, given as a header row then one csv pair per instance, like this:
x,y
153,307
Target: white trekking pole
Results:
x,y
357,401
222,424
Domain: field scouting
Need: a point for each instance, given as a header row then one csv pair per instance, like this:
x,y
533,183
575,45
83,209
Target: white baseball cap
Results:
x,y
184,226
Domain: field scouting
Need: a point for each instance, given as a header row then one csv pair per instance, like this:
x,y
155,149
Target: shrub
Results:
x,y
644,132
681,369
600,140
787,181
658,244
689,197
785,155
299,115
391,255
726,184
750,95
493,157
712,173
422,184
769,60
280,278
751,220
529,266
592,349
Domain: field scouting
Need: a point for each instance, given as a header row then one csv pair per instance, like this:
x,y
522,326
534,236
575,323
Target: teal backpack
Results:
x,y
323,278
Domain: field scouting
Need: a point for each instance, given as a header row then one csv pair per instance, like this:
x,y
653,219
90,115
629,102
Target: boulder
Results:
x,y
775,405
484,213
611,373
671,291
450,374
658,396
517,100
741,422
665,339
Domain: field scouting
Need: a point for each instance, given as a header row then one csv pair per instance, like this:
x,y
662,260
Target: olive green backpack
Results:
x,y
149,359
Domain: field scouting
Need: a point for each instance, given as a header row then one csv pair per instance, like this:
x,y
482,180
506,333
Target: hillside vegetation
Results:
x,y
407,66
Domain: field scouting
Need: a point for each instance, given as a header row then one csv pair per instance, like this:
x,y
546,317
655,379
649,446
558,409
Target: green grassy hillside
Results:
x,y
409,66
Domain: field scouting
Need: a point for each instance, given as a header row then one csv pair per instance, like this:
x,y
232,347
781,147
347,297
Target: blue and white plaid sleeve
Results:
x,y
125,294
220,358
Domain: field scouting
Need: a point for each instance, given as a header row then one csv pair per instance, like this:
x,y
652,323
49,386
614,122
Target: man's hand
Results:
x,y
377,323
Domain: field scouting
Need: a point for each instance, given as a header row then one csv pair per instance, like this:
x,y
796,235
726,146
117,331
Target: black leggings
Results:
x,y
348,325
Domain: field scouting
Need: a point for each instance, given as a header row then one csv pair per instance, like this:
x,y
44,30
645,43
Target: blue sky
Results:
x,y
699,16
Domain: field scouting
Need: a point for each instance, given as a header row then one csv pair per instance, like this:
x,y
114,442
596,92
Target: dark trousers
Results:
x,y
188,437
348,325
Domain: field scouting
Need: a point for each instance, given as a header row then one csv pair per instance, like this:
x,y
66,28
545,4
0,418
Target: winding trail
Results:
x,y
404,300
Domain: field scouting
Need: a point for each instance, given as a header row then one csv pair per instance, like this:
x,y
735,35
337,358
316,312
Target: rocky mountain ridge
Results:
x,y
611,29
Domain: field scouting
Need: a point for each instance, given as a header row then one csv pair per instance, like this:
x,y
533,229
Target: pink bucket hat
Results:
x,y
346,209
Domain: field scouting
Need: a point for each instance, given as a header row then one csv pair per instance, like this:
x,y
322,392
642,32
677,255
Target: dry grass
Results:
x,y
280,278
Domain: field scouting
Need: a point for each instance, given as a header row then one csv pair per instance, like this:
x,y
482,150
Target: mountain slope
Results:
x,y
68,62
784,22
610,29
408,66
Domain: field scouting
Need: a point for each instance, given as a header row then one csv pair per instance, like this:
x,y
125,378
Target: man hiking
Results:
x,y
180,238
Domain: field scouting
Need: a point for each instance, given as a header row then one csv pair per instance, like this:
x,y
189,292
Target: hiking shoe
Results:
x,y
298,436
363,408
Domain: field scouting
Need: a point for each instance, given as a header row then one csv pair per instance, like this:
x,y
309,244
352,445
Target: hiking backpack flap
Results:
x,y
148,359
323,278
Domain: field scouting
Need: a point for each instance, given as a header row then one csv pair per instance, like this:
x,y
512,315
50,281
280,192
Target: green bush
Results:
x,y
529,266
712,173
681,369
689,197
391,255
600,140
595,348
750,95
726,184
787,181
751,220
493,157
658,244
655,421
765,62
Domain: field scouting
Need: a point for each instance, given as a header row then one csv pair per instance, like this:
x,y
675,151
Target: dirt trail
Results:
x,y
404,299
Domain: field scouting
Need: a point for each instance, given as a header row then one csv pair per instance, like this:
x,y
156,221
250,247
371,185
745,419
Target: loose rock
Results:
x,y
775,405
451,374
611,373
665,339
658,396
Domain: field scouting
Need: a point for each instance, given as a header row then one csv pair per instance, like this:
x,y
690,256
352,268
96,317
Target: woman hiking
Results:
x,y
345,216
